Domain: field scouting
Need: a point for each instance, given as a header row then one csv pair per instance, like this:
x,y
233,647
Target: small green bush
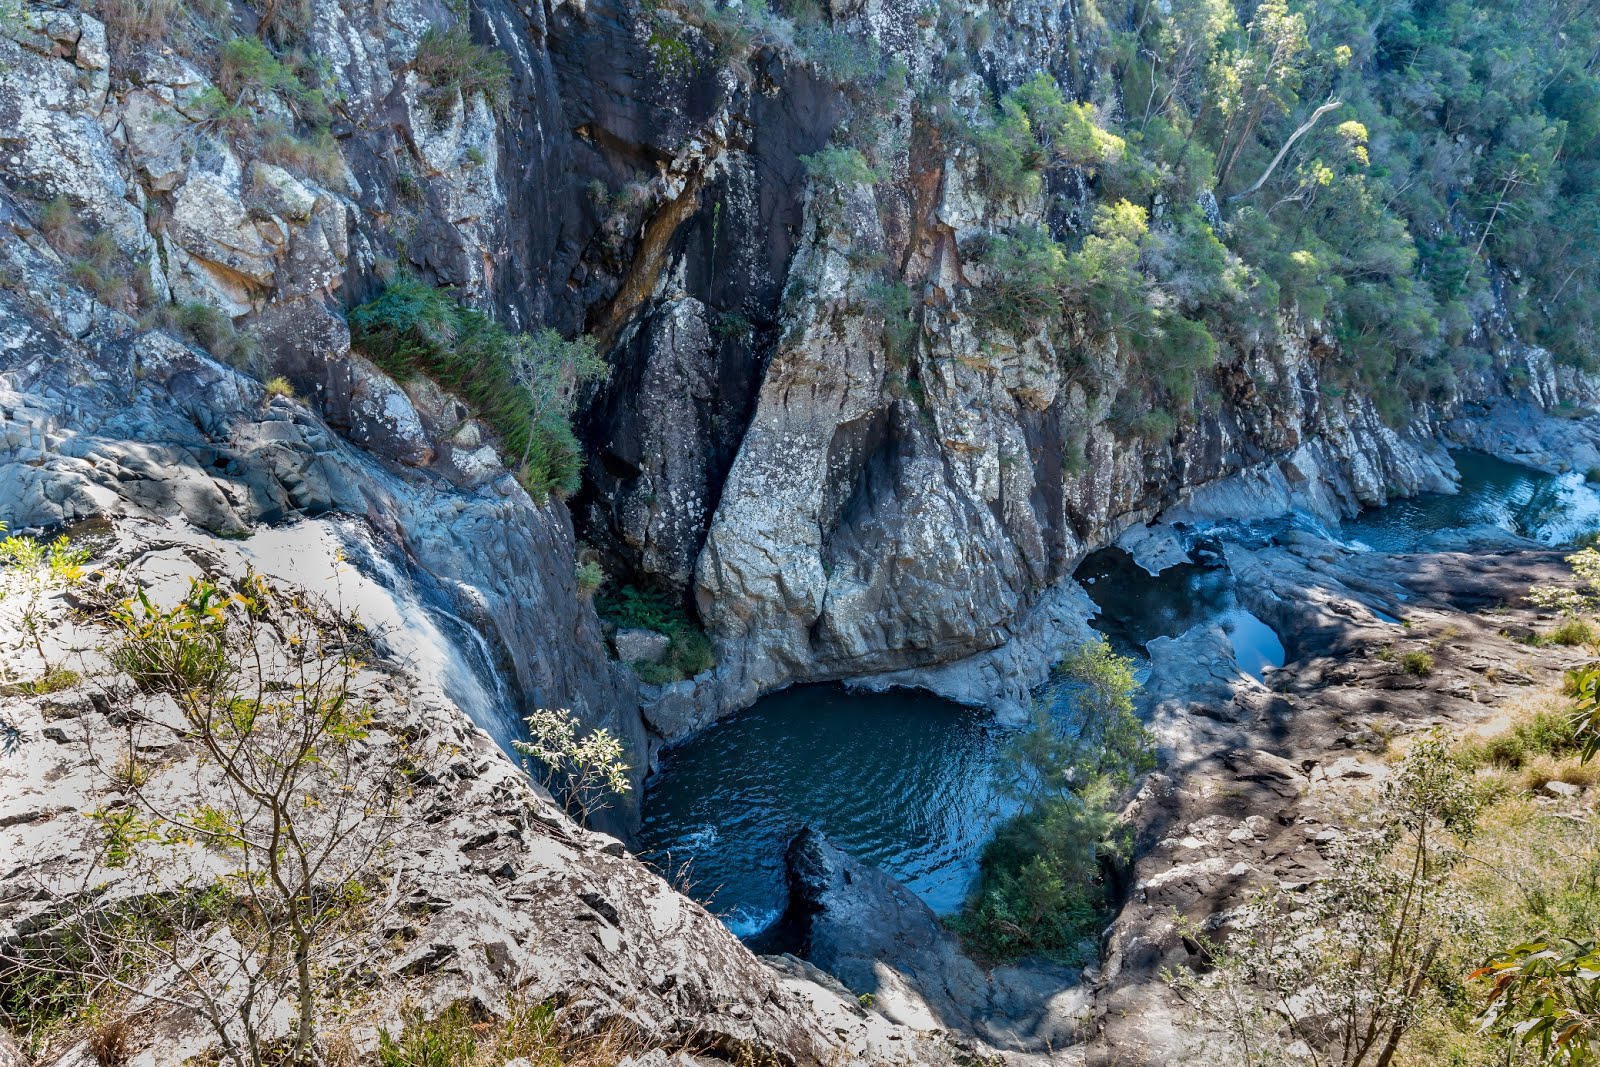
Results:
x,y
732,325
451,63
590,576
843,168
53,680
1544,734
59,224
1417,662
448,1041
1033,126
1573,632
1154,425
524,385
1025,275
174,650
213,330
689,652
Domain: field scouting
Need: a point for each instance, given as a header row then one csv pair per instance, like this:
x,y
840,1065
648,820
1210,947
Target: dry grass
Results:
x,y
537,1032
111,1042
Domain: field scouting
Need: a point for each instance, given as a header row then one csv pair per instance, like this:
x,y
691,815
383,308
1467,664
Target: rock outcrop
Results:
x,y
884,944
490,896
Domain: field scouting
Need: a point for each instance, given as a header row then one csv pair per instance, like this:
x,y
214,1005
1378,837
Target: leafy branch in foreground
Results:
x,y
228,880
1338,972
583,772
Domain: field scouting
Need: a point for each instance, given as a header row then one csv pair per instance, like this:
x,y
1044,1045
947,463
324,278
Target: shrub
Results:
x,y
1033,126
316,156
525,386
583,772
452,64
137,20
689,652
1356,951
276,387
900,326
732,324
1542,734
843,168
1417,662
590,576
59,224
53,680
1040,888
177,650
212,330
261,684
1573,632
1023,289
1153,425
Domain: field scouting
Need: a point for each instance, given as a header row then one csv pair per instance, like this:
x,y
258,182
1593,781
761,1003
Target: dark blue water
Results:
x,y
1551,508
902,780
1136,607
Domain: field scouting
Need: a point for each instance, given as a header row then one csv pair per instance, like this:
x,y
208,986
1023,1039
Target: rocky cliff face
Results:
x,y
843,479
839,487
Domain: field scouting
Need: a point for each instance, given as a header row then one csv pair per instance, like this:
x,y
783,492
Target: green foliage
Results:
x,y
174,650
447,1041
590,576
524,385
690,651
1417,661
1033,127
1026,274
1348,964
900,326
212,329
1542,734
246,64
585,772
1580,598
842,168
1545,992
1031,281
1573,632
733,325
452,65
1465,134
38,568
1040,889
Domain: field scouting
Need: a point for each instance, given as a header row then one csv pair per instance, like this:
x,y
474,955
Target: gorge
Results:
x,y
784,391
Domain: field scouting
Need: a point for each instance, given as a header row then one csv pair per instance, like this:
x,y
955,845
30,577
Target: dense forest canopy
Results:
x,y
1389,168
1465,131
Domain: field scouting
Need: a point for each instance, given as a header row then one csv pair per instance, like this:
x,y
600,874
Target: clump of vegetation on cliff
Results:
x,y
453,65
689,652
524,385
1041,889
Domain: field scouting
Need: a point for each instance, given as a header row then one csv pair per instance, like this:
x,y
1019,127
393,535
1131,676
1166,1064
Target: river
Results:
x,y
907,781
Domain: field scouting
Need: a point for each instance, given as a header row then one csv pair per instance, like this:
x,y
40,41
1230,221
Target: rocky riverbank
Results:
x,y
488,898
